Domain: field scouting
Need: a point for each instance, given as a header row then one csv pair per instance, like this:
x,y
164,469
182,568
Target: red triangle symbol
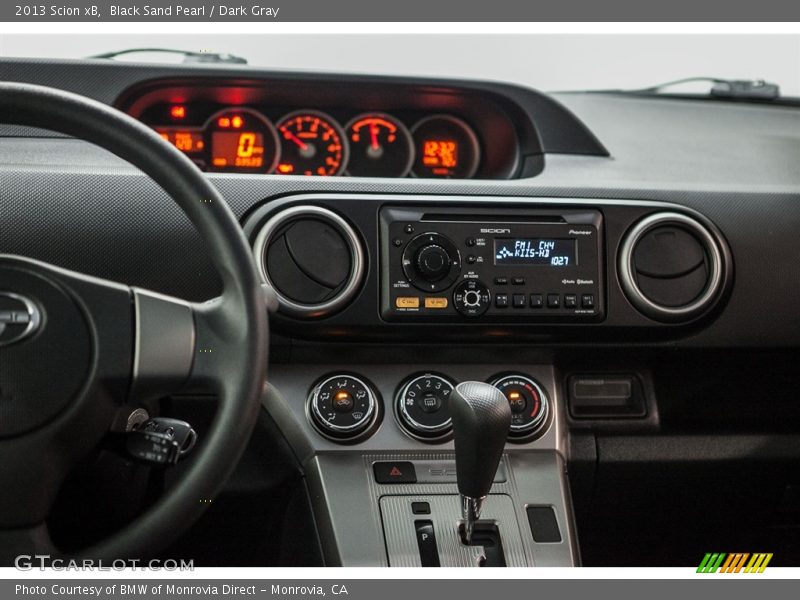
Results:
x,y
395,472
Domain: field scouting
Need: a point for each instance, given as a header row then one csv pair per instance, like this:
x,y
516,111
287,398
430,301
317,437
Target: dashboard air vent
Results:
x,y
671,267
311,258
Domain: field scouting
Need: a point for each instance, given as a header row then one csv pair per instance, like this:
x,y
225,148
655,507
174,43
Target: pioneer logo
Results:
x,y
502,230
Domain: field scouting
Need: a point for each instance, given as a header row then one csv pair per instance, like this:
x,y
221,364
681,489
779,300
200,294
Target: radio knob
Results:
x,y
471,298
433,262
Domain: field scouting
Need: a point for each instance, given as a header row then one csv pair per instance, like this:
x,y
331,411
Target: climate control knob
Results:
x,y
344,408
471,298
530,410
421,407
431,262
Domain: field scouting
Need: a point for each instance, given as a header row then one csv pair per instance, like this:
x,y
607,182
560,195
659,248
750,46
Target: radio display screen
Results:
x,y
536,252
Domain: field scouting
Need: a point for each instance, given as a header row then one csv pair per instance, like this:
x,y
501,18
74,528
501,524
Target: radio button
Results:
x,y
537,301
436,302
518,281
471,298
519,300
501,300
587,301
501,281
471,259
407,302
570,301
553,301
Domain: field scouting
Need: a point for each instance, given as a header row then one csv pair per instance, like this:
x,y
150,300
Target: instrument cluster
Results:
x,y
310,142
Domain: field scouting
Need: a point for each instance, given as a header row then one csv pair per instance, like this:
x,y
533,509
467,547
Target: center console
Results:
x,y
401,471
383,496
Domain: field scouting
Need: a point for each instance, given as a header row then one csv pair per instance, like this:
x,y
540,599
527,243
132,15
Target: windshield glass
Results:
x,y
548,62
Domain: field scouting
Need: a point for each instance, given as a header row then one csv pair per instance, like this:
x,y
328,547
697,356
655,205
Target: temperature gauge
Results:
x,y
311,144
343,408
380,146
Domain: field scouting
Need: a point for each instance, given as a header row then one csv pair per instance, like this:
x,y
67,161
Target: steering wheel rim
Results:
x,y
235,322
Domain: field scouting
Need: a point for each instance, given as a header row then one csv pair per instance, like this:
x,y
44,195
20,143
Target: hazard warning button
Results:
x,y
394,472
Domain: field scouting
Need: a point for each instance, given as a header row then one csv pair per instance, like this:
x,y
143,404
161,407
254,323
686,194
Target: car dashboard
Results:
x,y
624,269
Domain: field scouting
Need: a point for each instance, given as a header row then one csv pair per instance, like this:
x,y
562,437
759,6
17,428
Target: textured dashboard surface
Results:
x,y
72,204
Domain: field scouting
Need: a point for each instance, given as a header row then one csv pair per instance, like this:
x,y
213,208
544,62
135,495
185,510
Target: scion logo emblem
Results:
x,y
19,318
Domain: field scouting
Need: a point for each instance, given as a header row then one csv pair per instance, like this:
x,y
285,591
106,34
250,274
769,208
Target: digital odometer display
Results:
x,y
241,141
535,251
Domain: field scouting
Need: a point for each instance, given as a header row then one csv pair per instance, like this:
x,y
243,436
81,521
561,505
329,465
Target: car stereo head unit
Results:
x,y
491,265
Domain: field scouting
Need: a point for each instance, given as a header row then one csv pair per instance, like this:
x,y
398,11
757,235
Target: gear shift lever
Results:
x,y
481,419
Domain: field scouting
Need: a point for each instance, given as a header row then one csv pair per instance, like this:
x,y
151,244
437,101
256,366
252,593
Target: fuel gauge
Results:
x,y
380,146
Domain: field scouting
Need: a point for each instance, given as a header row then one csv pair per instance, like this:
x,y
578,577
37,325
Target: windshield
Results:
x,y
548,62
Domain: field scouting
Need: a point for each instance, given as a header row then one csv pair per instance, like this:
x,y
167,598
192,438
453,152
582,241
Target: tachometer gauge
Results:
x,y
445,147
380,146
240,140
311,144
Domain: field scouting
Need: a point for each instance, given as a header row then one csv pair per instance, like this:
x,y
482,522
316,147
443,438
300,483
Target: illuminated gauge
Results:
x,y
380,146
422,407
529,406
344,408
240,140
311,144
445,147
186,140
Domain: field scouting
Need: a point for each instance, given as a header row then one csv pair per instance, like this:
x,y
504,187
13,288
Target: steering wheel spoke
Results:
x,y
78,347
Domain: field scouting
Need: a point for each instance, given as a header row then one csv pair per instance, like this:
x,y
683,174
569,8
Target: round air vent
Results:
x,y
671,267
312,259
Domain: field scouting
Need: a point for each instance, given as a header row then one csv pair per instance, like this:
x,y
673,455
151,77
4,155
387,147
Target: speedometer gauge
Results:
x,y
380,146
312,143
240,140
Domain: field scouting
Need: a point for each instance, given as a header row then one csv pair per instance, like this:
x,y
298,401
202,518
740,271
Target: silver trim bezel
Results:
x,y
407,424
357,269
628,277
537,425
349,432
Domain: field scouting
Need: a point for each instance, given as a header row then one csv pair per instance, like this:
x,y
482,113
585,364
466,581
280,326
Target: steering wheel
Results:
x,y
77,351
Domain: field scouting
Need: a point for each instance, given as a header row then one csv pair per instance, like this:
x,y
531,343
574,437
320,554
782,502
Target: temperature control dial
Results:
x,y
431,262
471,298
343,408
422,407
529,406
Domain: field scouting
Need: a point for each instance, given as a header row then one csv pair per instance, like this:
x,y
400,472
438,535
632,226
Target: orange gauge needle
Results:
x,y
290,136
373,131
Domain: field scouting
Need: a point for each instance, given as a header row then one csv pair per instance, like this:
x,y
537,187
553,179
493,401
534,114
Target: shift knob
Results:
x,y
481,419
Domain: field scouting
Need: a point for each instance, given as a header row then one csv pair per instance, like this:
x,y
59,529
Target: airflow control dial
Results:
x,y
344,408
